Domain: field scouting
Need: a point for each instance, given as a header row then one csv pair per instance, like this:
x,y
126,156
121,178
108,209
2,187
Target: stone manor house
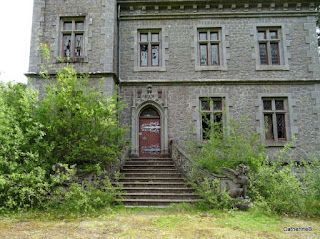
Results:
x,y
182,64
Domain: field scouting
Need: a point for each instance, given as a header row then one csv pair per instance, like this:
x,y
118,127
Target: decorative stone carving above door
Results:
x,y
154,97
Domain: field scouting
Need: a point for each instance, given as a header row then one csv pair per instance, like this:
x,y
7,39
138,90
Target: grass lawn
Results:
x,y
176,222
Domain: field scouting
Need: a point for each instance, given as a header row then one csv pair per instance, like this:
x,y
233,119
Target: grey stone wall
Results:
x,y
242,101
100,37
240,80
240,52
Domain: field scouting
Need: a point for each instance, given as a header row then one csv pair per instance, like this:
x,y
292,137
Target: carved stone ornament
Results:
x,y
149,94
237,187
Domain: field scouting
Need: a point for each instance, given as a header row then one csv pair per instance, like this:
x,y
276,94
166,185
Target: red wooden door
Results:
x,y
149,137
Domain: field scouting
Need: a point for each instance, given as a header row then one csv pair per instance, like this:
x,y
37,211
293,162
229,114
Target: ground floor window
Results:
x,y
275,116
211,116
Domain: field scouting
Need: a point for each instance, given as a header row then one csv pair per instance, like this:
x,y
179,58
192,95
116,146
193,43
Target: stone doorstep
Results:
x,y
146,179
148,167
149,171
134,195
154,202
153,175
158,190
162,163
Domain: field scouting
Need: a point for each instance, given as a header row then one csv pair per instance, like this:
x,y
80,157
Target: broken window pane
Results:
x,y
202,36
263,53
144,37
144,55
275,53
215,54
66,45
78,45
281,128
155,55
268,126
203,55
206,122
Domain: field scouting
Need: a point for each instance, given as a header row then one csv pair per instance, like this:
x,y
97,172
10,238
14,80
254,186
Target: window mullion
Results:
x,y
274,120
269,53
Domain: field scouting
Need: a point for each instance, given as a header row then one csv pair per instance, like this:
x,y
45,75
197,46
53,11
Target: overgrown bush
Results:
x,y
74,124
80,123
228,148
79,200
24,180
213,198
275,185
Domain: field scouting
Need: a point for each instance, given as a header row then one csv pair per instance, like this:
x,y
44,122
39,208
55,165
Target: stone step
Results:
x,y
156,184
148,159
137,171
153,175
154,202
162,163
157,190
160,196
146,179
165,167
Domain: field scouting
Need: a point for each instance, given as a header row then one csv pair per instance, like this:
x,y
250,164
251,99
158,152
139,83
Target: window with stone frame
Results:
x,y
149,48
209,47
211,116
269,46
275,113
72,34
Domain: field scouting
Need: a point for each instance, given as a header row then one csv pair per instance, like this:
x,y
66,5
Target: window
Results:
x,y
72,38
211,115
149,48
209,47
275,116
269,46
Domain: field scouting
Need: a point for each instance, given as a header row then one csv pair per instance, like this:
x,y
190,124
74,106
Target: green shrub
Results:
x,y
23,171
209,190
78,200
228,148
80,124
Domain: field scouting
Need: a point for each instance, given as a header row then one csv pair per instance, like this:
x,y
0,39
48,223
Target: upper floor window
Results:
x,y
269,46
271,51
209,47
72,33
211,116
275,116
149,48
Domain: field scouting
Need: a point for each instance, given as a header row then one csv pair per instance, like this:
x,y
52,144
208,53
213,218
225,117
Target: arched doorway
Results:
x,y
149,133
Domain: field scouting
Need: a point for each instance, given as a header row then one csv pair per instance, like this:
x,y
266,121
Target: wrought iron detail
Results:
x,y
152,127
151,149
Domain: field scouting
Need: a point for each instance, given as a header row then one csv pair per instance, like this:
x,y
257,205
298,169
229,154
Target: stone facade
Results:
x,y
176,86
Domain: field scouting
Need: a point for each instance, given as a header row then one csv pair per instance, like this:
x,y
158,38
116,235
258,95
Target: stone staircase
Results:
x,y
154,182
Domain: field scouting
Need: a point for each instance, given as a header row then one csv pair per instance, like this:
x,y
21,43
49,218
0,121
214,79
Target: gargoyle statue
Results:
x,y
238,189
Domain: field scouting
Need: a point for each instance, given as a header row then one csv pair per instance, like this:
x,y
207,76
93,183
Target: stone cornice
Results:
x,y
192,9
89,74
223,82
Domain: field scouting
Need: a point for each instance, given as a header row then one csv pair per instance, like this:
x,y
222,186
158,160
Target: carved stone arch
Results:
x,y
163,113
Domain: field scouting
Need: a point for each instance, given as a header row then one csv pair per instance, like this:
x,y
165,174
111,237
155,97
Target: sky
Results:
x,y
15,36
